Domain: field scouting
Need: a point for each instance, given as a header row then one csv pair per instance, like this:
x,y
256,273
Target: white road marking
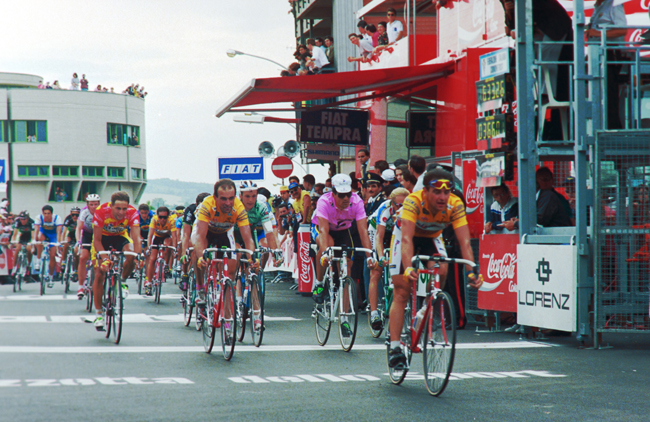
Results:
x,y
91,381
302,378
127,318
73,296
415,376
242,348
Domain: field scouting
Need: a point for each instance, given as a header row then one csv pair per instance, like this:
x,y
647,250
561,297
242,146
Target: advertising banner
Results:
x,y
473,200
241,168
547,287
498,265
422,130
323,152
332,126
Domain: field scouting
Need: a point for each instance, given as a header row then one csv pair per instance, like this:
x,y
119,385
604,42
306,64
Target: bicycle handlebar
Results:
x,y
163,247
438,258
209,250
125,253
330,249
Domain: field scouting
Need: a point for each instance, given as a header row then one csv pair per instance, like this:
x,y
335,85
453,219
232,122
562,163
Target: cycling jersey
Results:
x,y
219,222
298,205
70,224
162,227
339,219
189,215
178,221
144,225
24,228
48,227
259,218
110,226
431,223
87,218
383,216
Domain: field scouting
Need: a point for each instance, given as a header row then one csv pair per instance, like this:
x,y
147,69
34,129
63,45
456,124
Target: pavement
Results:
x,y
56,367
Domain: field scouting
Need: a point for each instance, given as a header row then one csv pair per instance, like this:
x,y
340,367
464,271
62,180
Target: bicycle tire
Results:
x,y
241,309
67,275
208,325
197,318
398,374
322,321
108,310
157,285
228,317
439,344
118,308
348,313
90,280
256,312
42,284
188,301
141,278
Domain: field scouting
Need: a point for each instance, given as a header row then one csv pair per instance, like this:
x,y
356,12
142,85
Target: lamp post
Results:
x,y
233,53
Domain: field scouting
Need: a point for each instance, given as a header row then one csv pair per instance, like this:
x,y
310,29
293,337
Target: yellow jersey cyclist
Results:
x,y
110,223
162,231
23,229
418,231
332,225
84,236
215,219
188,219
380,231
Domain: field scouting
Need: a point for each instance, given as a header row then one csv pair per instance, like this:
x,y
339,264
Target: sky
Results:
x,y
177,51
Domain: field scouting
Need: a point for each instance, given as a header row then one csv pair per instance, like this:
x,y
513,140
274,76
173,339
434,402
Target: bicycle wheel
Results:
x,y
141,278
322,321
398,373
42,277
208,319
257,310
108,306
67,275
188,301
242,311
439,343
117,305
90,278
160,277
228,320
347,314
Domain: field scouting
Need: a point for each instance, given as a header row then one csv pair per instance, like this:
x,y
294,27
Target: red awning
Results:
x,y
397,80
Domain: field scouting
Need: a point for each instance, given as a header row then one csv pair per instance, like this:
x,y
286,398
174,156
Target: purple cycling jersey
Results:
x,y
339,219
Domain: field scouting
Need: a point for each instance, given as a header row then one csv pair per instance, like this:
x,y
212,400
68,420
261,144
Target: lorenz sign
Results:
x,y
332,126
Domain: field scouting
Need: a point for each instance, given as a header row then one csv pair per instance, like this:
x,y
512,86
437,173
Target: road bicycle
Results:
x,y
90,279
21,266
219,309
431,330
177,268
160,271
69,274
188,298
112,301
44,274
341,302
384,301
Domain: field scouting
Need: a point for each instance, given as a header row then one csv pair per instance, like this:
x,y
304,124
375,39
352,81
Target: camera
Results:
x,y
277,200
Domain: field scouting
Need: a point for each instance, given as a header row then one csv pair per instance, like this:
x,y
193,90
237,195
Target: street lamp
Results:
x,y
232,53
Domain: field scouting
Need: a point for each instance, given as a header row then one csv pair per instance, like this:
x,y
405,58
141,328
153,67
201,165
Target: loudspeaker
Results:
x,y
291,149
266,149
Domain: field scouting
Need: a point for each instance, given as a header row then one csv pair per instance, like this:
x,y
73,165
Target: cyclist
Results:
x,y
23,229
418,230
70,228
215,219
110,224
84,235
144,215
332,226
380,230
162,230
189,216
48,228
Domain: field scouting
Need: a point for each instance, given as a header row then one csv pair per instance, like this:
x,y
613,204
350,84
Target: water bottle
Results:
x,y
245,295
419,317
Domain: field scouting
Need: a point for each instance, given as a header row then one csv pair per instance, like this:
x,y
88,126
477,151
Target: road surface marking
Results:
x,y
92,381
127,318
248,379
415,376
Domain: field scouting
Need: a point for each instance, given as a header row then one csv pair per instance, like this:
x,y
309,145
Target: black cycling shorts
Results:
x,y
86,238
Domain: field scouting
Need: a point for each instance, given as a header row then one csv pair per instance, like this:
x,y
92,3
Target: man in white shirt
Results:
x,y
394,29
361,25
318,57
363,47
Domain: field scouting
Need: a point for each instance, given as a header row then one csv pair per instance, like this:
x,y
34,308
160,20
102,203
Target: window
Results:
x,y
116,172
144,174
61,192
33,171
70,171
89,171
30,131
2,131
86,189
136,174
118,134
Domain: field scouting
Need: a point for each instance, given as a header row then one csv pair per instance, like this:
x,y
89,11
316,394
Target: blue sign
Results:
x,y
3,177
241,168
495,63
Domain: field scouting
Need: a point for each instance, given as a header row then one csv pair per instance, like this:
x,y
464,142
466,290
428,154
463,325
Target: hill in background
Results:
x,y
170,192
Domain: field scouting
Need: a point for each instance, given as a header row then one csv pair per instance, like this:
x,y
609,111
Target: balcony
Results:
x,y
312,9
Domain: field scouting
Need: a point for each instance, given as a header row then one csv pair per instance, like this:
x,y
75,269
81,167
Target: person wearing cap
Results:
x,y
332,225
390,181
424,215
284,194
374,193
22,234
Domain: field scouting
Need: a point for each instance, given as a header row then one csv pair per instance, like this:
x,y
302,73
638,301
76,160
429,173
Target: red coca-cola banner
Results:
x,y
473,200
498,265
305,268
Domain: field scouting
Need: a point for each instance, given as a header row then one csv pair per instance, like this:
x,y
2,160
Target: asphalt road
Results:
x,y
54,366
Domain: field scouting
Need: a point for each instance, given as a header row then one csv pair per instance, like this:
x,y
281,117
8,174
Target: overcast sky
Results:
x,y
177,50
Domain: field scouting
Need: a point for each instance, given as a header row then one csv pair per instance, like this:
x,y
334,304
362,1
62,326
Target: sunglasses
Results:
x,y
390,14
163,217
440,184
398,206
344,195
294,190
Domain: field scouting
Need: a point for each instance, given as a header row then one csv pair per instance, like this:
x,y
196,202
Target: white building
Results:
x,y
75,142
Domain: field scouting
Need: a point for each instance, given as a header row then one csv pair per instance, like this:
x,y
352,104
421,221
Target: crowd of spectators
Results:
x,y
77,84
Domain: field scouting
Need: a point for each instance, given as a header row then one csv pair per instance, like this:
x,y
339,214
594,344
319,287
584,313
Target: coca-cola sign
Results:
x,y
473,199
305,271
498,264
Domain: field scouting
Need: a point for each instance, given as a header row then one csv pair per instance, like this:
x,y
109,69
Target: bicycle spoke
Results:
x,y
439,343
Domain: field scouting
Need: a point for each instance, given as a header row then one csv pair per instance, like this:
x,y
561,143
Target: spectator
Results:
x,y
60,195
294,179
553,209
398,173
503,211
362,25
364,48
374,34
320,43
318,59
382,40
329,50
380,166
56,85
284,194
83,83
40,85
416,167
389,181
318,188
356,186
47,85
293,68
308,182
640,205
74,84
114,139
363,156
408,180
375,194
395,29
399,162
98,89
303,56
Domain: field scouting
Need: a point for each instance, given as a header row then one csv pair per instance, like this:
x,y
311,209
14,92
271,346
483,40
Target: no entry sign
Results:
x,y
282,167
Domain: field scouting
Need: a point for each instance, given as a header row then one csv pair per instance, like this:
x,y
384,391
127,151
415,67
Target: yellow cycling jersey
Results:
x,y
219,222
163,227
431,223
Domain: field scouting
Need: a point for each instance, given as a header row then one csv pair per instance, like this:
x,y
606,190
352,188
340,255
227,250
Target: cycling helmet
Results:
x,y
247,185
75,210
92,197
24,214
